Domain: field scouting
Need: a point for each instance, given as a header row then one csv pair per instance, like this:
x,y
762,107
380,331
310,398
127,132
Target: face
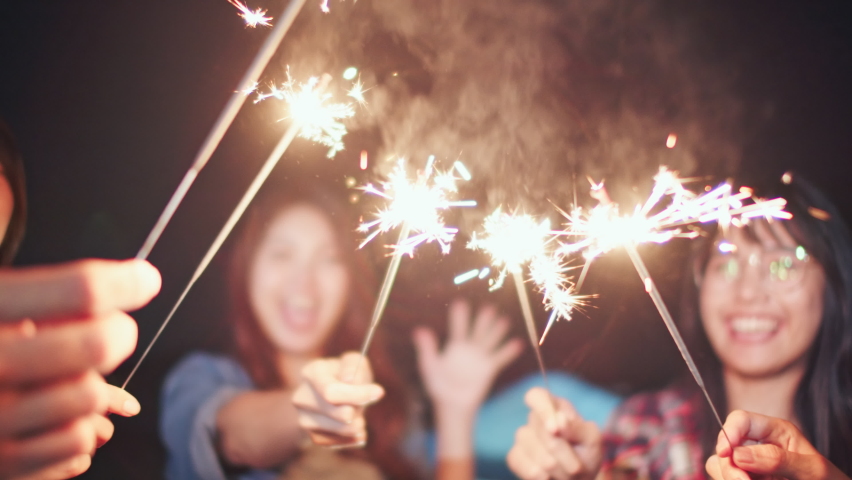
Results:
x,y
761,301
7,204
298,282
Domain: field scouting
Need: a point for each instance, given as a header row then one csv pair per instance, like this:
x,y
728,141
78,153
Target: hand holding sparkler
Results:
x,y
332,397
555,442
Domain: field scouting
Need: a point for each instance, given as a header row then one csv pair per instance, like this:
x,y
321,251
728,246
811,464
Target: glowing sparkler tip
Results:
x,y
253,18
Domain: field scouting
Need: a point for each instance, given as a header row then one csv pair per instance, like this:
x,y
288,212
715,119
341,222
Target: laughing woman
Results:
x,y
770,314
301,298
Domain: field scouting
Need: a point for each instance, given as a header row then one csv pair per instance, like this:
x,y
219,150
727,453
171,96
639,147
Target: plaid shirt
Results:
x,y
655,436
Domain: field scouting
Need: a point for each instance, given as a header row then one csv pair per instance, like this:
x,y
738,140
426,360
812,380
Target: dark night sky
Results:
x,y
110,100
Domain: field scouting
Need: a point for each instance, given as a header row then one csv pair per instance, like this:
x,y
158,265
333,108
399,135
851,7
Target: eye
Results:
x,y
784,268
281,254
726,266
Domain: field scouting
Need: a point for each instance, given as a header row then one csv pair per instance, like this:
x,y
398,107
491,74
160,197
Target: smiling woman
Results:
x,y
769,317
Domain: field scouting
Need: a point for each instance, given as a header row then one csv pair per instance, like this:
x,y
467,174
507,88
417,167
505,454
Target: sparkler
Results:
x,y
226,117
305,114
513,241
415,207
321,120
604,229
253,18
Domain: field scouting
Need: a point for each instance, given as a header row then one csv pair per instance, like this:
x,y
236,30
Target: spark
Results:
x,y
420,204
357,92
253,18
414,207
319,118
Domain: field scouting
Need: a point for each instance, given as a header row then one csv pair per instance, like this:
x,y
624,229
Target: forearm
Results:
x,y
455,455
258,429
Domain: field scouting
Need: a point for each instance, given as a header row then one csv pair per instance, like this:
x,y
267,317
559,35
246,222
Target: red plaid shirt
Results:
x,y
655,436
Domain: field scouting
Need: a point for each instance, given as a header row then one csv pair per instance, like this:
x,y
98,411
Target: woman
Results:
x,y
301,298
770,315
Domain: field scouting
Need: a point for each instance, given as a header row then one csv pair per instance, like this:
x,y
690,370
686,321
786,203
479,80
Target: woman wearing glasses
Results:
x,y
769,319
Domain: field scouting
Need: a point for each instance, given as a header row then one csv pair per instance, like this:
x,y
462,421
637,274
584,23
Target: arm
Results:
x,y
555,442
258,429
783,451
458,379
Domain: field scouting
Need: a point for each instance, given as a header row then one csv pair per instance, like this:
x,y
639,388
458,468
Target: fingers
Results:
x,y
77,289
104,429
20,457
354,368
121,402
741,426
459,320
483,326
542,406
56,404
775,461
722,468
426,344
508,353
69,348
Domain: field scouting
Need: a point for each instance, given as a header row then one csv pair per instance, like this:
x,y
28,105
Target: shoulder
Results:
x,y
206,368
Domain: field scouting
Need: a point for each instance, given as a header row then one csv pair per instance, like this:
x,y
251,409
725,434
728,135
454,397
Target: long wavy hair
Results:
x,y
13,170
823,400
387,419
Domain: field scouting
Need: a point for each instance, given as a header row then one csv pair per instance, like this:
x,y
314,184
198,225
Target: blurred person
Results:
x,y
769,319
61,328
301,297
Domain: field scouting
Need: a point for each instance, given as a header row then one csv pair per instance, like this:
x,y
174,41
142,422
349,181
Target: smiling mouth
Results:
x,y
753,329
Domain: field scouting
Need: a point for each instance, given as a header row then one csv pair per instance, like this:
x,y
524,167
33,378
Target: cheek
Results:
x,y
7,205
335,285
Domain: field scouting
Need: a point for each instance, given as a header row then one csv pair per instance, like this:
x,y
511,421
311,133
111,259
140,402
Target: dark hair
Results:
x,y
823,400
13,171
387,419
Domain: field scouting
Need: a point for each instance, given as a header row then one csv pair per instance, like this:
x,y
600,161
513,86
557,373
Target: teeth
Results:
x,y
753,325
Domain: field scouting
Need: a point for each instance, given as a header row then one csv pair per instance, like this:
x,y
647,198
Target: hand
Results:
x,y
458,378
783,452
555,442
60,328
332,398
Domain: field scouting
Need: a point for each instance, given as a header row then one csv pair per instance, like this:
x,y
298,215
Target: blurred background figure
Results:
x,y
301,291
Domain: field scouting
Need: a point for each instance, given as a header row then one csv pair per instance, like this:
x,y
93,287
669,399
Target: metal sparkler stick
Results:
x,y
526,310
384,293
270,163
654,293
244,202
226,117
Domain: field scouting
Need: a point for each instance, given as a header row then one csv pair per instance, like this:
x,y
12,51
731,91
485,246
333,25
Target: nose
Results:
x,y
750,285
303,280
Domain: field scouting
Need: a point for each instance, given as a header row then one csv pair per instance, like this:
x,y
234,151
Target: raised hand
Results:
x,y
555,442
783,451
459,376
332,397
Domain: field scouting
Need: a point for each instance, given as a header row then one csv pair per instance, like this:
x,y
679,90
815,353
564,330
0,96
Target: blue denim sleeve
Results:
x,y
192,395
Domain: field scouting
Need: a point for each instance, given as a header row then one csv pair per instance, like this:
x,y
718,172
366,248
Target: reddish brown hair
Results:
x,y
388,418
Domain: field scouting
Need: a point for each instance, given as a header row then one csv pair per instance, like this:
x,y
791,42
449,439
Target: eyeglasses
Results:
x,y
782,268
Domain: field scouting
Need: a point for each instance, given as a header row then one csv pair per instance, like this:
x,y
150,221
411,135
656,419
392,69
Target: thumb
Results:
x,y
426,344
355,368
768,459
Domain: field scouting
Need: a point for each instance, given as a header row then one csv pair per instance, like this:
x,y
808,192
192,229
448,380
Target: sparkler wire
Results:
x,y
526,310
384,292
270,164
654,293
226,117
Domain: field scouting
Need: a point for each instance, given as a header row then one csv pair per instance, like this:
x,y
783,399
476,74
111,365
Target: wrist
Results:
x,y
454,432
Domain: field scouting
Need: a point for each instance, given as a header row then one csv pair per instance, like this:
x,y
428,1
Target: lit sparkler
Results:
x,y
301,120
226,117
253,18
416,208
603,229
515,241
320,118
